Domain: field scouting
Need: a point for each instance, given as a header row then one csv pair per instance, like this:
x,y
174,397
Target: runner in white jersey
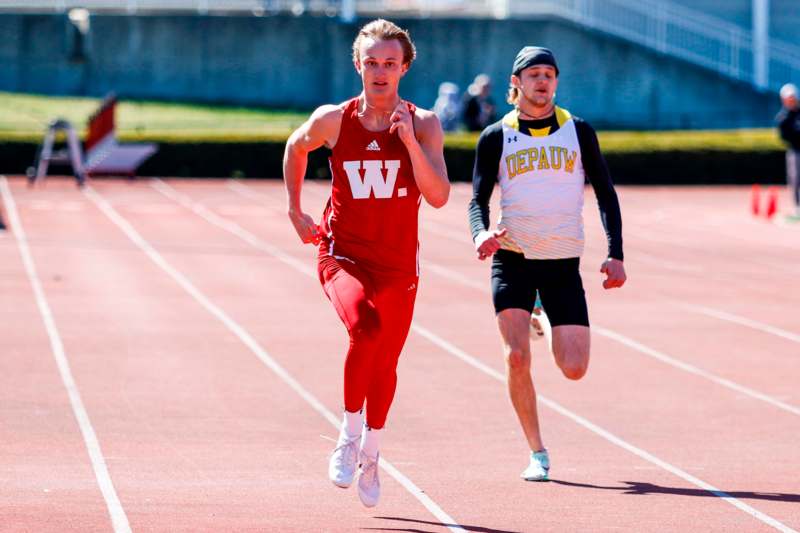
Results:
x,y
541,156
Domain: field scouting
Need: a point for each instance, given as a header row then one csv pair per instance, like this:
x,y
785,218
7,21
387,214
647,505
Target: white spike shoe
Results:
x,y
343,462
369,485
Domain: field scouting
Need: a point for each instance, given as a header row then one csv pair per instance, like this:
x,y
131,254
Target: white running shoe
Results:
x,y
539,467
369,486
540,328
342,465
537,330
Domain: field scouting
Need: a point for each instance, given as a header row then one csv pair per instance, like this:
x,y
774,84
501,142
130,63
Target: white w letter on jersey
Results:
x,y
373,179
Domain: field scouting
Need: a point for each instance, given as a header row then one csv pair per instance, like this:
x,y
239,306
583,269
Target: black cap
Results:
x,y
533,55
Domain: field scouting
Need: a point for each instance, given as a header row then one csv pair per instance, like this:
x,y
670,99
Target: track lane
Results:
x,y
46,478
284,233
195,430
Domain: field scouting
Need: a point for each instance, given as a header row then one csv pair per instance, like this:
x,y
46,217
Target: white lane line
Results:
x,y
243,190
594,428
646,350
119,520
677,241
437,228
229,226
736,319
455,276
442,230
247,339
479,365
664,358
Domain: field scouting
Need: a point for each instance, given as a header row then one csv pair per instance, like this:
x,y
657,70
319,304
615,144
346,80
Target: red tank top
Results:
x,y
372,215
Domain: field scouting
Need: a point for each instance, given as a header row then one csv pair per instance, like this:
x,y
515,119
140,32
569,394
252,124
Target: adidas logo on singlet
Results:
x,y
373,146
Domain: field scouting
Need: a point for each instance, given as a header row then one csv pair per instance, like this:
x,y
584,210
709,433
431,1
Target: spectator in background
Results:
x,y
447,106
789,125
479,107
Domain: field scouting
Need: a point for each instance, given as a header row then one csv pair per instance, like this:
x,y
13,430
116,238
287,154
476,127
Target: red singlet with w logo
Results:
x,y
372,215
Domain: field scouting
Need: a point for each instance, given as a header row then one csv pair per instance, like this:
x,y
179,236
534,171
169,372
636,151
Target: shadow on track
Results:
x,y
476,529
643,489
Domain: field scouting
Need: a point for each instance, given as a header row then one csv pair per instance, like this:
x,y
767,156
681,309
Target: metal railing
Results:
x,y
677,31
660,25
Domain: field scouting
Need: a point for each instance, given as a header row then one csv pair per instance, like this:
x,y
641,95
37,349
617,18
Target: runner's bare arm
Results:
x,y
425,151
321,128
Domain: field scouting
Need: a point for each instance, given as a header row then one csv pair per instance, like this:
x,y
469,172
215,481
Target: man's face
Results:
x,y
790,102
537,84
380,65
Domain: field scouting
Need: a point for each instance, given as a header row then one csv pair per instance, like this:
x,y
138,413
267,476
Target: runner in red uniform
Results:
x,y
387,156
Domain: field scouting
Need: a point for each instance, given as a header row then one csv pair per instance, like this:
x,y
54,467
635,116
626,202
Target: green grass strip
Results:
x,y
24,117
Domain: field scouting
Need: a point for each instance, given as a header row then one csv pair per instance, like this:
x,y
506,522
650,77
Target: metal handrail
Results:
x,y
674,30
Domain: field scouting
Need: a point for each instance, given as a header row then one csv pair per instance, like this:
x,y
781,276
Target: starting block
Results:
x,y
103,154
72,155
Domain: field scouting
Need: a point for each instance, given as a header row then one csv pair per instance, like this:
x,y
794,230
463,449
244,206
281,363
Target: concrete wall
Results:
x,y
302,62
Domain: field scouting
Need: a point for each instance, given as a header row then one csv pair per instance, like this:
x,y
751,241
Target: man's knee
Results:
x,y
367,325
573,364
518,359
575,371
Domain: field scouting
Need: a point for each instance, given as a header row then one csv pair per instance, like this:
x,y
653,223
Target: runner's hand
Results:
x,y
403,123
306,228
615,273
486,243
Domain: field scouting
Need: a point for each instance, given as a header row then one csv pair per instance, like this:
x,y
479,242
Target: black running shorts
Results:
x,y
516,279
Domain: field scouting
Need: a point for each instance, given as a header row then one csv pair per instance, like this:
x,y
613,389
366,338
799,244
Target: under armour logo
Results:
x,y
512,139
373,146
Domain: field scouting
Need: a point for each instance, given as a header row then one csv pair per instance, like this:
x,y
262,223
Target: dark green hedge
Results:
x,y
700,167
255,160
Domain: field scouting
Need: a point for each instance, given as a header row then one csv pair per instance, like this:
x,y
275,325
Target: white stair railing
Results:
x,y
674,30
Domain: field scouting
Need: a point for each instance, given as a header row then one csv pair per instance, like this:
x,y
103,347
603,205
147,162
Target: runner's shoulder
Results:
x,y
492,135
426,121
328,114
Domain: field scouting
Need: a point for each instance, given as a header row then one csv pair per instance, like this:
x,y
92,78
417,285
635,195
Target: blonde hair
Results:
x,y
512,97
383,30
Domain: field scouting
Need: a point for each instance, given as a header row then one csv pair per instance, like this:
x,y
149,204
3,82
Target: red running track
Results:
x,y
179,305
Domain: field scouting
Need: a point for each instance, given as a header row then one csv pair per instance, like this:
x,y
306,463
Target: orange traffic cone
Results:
x,y
772,202
755,199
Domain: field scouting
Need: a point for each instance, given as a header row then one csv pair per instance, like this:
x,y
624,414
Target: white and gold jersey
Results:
x,y
541,178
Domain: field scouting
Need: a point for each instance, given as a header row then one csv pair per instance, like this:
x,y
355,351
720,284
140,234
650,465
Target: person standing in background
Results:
x,y
447,106
479,107
789,126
